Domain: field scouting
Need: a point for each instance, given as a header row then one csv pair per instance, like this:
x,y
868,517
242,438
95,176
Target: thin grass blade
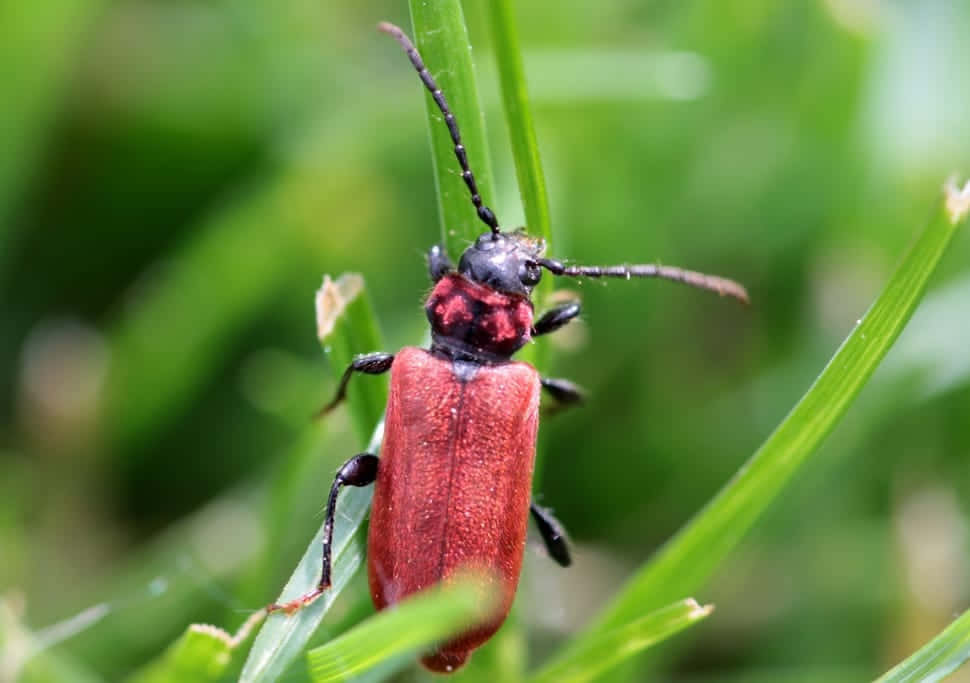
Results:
x,y
347,326
200,655
605,650
518,116
397,634
682,566
937,659
442,39
525,151
283,637
345,322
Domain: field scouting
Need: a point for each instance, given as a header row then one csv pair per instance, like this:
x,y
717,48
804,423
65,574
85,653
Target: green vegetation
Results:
x,y
178,177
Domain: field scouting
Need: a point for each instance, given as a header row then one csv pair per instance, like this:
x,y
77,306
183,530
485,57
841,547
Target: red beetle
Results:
x,y
455,474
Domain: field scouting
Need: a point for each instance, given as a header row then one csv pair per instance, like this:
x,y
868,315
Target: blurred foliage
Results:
x,y
177,176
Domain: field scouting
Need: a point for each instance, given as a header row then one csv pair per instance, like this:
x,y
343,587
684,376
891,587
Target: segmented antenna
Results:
x,y
485,213
712,283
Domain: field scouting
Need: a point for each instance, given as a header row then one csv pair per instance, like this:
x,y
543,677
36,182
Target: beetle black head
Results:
x,y
506,261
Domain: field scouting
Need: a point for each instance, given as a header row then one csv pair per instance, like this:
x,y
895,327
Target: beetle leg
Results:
x,y
360,470
438,263
554,318
368,363
553,534
565,392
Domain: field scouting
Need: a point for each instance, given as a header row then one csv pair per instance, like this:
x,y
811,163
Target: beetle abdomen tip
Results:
x,y
445,661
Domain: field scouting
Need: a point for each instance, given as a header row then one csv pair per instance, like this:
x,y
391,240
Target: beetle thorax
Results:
x,y
470,321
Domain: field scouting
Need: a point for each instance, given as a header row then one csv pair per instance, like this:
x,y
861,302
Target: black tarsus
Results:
x,y
553,534
484,213
370,364
712,283
554,318
360,470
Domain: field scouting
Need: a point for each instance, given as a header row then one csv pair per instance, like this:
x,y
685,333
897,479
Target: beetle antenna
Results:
x,y
485,213
711,283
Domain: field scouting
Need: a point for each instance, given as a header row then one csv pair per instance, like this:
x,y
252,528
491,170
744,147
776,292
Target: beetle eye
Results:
x,y
529,273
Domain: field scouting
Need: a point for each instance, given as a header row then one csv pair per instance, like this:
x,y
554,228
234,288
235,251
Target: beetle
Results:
x,y
453,483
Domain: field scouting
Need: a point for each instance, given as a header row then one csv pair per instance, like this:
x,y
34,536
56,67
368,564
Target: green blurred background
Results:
x,y
176,176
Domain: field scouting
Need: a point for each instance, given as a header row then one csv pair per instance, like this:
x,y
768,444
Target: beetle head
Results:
x,y
505,261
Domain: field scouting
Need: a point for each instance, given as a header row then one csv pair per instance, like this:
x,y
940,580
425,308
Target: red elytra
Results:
x,y
456,473
453,483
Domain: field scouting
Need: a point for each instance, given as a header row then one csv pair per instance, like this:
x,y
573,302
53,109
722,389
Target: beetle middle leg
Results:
x,y
360,470
553,534
368,363
565,392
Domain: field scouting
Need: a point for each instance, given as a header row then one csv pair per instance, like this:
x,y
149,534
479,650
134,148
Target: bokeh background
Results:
x,y
176,176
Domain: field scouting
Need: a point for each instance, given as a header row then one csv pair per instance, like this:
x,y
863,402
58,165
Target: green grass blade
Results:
x,y
345,321
397,634
198,656
442,39
525,151
347,326
937,659
202,654
283,637
683,565
598,654
518,116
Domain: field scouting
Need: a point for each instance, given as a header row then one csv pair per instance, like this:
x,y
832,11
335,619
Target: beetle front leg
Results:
x,y
553,534
554,318
368,363
360,470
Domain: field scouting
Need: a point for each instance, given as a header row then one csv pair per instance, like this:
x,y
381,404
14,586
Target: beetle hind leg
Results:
x,y
553,534
360,470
